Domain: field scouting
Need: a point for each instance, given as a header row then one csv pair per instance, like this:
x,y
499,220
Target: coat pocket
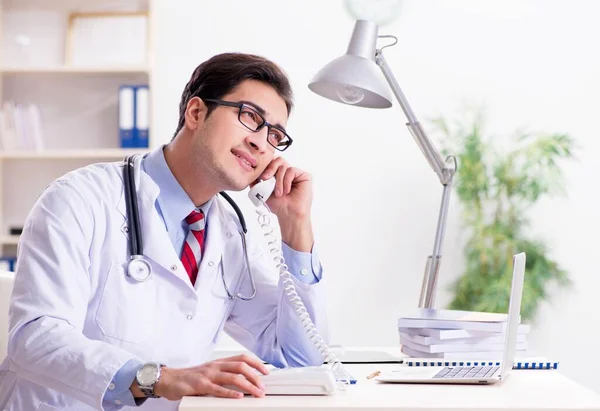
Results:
x,y
126,311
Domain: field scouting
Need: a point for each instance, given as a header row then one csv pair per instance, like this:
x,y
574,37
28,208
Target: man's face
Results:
x,y
234,155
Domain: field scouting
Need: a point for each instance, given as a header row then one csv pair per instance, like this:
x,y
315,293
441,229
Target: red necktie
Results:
x,y
194,244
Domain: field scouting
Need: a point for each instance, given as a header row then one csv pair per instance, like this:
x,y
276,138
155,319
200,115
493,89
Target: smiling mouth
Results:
x,y
245,161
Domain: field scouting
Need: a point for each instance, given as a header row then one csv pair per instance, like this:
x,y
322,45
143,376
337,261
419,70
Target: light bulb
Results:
x,y
350,94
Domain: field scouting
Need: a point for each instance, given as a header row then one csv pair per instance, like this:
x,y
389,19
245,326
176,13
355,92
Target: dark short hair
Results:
x,y
219,75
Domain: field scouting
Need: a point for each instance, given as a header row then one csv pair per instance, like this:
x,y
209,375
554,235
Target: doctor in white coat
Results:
x,y
85,335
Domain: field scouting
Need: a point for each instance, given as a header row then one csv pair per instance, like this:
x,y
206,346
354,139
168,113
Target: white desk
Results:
x,y
524,390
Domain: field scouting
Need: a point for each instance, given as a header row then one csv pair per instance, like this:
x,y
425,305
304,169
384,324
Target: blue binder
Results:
x,y
8,263
142,117
127,116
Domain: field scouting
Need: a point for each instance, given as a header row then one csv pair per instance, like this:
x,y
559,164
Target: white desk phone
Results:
x,y
314,380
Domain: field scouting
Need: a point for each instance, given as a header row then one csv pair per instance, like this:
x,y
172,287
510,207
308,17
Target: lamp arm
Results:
x,y
430,152
444,169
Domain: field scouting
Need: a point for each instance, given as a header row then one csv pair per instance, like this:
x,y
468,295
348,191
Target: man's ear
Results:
x,y
195,113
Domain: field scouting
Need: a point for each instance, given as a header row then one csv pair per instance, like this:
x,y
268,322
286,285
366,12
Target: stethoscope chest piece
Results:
x,y
139,269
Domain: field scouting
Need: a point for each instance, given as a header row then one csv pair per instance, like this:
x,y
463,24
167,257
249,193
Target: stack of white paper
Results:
x,y
454,334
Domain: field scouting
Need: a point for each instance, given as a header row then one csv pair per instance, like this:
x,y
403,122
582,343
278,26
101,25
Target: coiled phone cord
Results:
x,y
264,219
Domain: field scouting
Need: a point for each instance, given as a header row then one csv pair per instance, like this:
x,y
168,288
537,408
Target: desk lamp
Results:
x,y
354,79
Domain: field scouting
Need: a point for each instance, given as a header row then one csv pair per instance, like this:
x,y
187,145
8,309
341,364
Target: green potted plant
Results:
x,y
496,189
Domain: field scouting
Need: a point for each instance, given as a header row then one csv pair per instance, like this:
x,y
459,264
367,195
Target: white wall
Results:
x,y
532,63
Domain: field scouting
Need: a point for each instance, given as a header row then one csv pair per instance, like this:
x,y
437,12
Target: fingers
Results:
x,y
251,360
276,168
218,391
273,167
288,179
240,382
284,174
243,369
281,171
239,371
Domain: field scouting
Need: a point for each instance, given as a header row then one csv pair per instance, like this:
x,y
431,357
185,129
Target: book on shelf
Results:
x,y
454,319
126,116
20,127
142,116
448,334
134,116
7,263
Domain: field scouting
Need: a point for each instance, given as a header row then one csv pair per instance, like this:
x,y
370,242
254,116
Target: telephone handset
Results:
x,y
259,194
262,191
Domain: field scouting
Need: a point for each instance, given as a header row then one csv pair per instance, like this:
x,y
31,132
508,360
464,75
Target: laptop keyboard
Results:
x,y
466,372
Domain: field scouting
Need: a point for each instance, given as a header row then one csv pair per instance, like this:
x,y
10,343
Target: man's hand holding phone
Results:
x,y
291,202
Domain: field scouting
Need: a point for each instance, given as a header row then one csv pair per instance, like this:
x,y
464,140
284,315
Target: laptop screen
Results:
x,y
514,312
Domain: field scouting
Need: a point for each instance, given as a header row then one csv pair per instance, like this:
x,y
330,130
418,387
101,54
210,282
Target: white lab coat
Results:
x,y
76,317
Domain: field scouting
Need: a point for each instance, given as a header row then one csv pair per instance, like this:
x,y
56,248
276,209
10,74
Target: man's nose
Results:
x,y
258,139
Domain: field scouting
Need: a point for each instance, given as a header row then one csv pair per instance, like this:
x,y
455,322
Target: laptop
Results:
x,y
476,374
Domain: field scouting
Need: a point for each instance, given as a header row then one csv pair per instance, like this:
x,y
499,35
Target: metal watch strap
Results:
x,y
149,391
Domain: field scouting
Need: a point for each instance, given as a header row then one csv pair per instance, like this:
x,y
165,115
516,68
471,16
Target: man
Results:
x,y
84,334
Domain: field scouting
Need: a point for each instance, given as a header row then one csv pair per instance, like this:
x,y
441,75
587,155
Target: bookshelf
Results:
x,y
107,153
73,70
78,104
9,240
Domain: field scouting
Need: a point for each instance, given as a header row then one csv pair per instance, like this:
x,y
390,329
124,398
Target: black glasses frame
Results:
x,y
284,145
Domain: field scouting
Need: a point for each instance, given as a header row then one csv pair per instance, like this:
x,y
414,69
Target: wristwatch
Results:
x,y
147,377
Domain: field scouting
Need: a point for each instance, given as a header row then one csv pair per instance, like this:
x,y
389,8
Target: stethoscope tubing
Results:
x,y
135,234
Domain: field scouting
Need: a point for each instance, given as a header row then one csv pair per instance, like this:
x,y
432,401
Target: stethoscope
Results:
x,y
138,267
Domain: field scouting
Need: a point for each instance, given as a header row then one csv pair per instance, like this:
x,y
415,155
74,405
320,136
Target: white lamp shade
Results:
x,y
355,78
351,76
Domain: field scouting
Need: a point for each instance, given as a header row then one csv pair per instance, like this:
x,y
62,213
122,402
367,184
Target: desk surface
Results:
x,y
523,390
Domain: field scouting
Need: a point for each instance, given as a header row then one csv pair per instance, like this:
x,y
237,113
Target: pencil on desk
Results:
x,y
373,374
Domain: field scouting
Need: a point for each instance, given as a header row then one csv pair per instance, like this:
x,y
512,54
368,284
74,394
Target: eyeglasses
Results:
x,y
254,121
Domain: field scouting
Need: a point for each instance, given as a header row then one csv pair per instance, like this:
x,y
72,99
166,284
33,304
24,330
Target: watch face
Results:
x,y
147,375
